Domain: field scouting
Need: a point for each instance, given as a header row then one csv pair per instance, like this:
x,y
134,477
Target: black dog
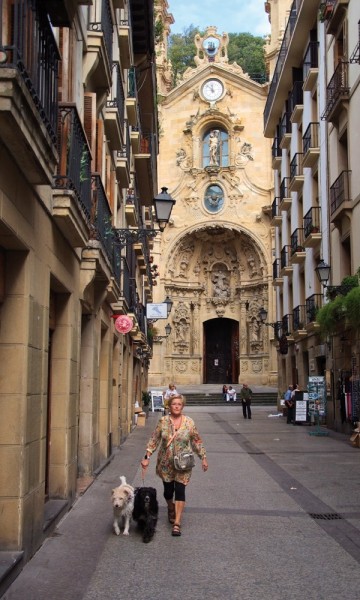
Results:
x,y
146,510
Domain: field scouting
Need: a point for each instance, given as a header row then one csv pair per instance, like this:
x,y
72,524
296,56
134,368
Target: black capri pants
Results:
x,y
171,487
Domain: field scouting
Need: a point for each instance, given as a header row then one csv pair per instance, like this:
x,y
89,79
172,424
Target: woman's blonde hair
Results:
x,y
177,397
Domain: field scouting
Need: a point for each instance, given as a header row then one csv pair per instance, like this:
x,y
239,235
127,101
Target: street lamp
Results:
x,y
323,272
163,204
169,303
263,316
158,338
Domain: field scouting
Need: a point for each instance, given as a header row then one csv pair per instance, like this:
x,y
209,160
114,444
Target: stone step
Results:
x,y
261,398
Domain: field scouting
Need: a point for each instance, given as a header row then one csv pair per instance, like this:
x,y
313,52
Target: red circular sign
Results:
x,y
124,324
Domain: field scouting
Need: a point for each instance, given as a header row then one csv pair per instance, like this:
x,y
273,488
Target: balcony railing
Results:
x,y
27,44
281,59
117,99
312,221
132,91
297,241
275,209
337,90
101,223
340,191
299,317
296,165
275,149
284,188
286,324
355,56
74,168
285,124
285,257
311,137
313,303
296,96
106,27
311,59
276,269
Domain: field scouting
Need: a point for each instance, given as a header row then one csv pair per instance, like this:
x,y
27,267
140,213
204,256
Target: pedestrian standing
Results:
x,y
289,404
246,396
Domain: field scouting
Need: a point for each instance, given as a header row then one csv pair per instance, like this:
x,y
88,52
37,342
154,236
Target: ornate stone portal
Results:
x,y
215,256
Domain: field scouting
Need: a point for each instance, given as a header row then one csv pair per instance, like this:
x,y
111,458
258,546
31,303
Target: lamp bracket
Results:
x,y
126,237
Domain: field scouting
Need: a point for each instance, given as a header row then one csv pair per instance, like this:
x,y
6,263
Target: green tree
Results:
x,y
247,51
182,51
244,48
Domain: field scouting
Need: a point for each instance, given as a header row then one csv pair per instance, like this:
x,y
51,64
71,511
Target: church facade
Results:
x,y
215,257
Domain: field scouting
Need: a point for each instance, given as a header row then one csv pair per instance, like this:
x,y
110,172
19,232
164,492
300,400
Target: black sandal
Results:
x,y
176,530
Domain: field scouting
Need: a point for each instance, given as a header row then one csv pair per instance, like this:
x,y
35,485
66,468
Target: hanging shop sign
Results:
x,y
123,324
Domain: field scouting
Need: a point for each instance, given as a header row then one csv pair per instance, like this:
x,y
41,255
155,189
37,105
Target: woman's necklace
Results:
x,y
177,425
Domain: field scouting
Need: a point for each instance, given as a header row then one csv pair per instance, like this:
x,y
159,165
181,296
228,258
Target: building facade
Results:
x,y
215,257
78,149
312,116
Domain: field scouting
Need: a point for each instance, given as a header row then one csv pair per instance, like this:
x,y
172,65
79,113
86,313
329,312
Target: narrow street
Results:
x,y
277,516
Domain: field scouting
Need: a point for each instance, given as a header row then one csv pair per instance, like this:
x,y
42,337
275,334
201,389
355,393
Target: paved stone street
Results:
x,y
277,516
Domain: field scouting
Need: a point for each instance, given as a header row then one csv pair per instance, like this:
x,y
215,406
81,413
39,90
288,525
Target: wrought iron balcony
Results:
x,y
285,263
313,303
276,153
335,11
311,66
285,195
132,208
299,319
340,199
101,223
125,42
276,269
296,101
72,207
337,92
285,129
355,56
312,234
298,253
99,55
122,161
311,145
115,110
276,218
131,100
146,168
286,324
296,173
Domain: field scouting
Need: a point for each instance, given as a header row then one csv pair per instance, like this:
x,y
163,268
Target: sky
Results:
x,y
230,16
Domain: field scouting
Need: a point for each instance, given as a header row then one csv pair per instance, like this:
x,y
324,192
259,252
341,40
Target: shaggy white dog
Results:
x,y
123,504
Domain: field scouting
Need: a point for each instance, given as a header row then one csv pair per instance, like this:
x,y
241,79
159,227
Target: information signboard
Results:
x,y
301,411
157,401
317,395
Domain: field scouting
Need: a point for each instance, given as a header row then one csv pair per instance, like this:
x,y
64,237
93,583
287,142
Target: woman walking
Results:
x,y
174,433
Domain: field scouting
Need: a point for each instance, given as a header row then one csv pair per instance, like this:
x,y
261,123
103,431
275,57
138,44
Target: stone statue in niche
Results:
x,y
183,261
214,139
255,336
220,283
181,328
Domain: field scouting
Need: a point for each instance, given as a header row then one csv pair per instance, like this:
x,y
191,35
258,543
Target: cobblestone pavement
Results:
x,y
277,516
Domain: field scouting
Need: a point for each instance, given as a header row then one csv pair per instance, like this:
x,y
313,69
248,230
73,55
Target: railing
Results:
x,y
311,137
312,221
296,96
285,256
275,207
125,282
297,241
101,222
74,168
281,59
337,88
311,58
313,303
106,26
117,94
285,124
286,325
27,44
340,191
299,317
355,56
276,268
284,188
132,90
296,165
275,149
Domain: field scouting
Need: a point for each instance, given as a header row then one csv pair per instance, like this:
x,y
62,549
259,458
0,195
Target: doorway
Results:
x,y
221,351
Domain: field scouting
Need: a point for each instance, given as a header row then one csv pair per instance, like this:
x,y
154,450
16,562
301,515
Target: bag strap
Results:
x,y
171,439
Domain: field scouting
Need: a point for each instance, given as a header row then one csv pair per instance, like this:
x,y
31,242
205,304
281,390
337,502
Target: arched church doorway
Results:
x,y
221,351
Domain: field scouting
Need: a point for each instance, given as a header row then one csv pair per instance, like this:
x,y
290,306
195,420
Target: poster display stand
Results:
x,y
317,404
156,401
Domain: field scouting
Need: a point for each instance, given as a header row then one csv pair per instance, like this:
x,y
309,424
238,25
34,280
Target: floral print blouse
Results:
x,y
186,437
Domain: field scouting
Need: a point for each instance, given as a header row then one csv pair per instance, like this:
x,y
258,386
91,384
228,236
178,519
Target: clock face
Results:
x,y
212,89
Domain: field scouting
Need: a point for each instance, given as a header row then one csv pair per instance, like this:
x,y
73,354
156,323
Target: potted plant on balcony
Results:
x,y
325,10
